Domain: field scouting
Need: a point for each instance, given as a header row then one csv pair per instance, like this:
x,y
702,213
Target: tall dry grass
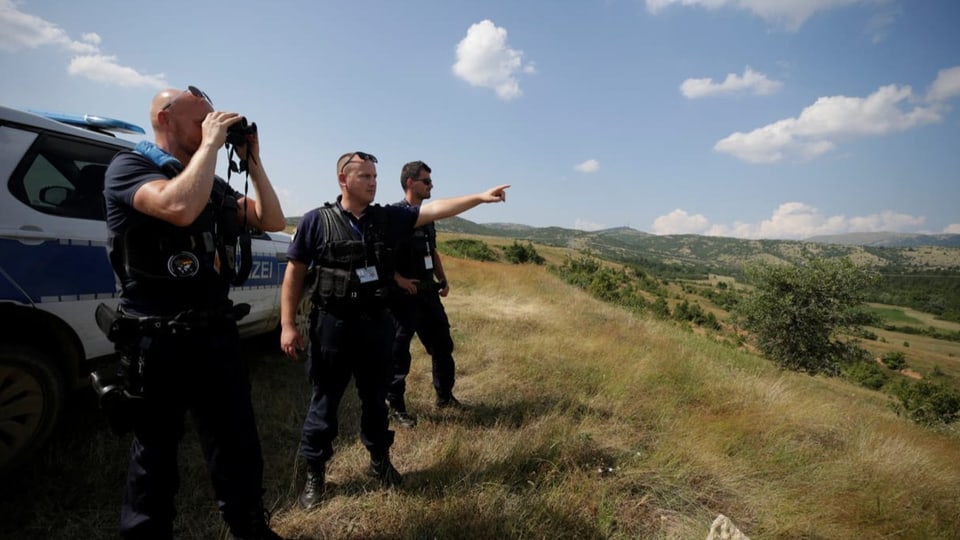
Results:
x,y
584,422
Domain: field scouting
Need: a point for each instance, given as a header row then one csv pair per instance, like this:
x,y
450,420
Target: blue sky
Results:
x,y
742,118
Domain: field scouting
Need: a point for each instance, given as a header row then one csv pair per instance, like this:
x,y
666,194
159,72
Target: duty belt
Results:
x,y
368,309
119,326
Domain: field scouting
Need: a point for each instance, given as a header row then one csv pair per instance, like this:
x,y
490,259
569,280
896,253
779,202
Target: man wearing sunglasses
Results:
x,y
351,332
174,228
416,305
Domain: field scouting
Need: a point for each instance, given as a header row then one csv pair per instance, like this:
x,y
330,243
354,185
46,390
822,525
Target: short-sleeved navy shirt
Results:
x,y
308,239
126,173
124,176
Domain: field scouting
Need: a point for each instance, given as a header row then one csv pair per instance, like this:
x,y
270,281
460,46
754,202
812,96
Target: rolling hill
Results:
x,y
713,254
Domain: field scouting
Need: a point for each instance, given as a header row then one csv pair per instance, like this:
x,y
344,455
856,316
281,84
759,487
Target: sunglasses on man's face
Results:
x,y
363,157
426,181
193,90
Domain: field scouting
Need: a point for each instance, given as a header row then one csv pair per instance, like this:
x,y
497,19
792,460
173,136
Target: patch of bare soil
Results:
x,y
906,372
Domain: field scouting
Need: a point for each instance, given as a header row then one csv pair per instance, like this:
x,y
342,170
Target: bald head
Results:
x,y
177,119
161,100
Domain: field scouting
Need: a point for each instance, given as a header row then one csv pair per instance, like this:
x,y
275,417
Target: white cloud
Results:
x,y
485,59
791,220
953,228
584,225
588,166
92,38
680,222
103,68
878,25
790,13
751,82
885,221
946,85
832,120
19,30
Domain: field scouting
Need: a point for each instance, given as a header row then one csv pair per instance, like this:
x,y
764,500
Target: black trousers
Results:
x,y
342,347
202,374
421,314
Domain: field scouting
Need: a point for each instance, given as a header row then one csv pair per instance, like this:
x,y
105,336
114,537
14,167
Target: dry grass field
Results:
x,y
584,421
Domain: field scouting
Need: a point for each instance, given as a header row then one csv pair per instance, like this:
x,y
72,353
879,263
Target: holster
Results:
x,y
120,393
114,325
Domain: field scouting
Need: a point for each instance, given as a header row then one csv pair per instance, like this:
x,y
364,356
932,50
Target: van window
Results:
x,y
63,177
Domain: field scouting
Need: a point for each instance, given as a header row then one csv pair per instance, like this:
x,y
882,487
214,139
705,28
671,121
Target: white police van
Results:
x,y
54,269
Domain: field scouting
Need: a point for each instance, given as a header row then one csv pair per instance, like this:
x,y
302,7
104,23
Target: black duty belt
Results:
x,y
119,326
353,310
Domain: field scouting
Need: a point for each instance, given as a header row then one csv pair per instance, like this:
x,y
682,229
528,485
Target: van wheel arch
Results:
x,y
35,329
32,395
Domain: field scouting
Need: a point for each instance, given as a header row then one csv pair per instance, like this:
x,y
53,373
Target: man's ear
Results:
x,y
162,118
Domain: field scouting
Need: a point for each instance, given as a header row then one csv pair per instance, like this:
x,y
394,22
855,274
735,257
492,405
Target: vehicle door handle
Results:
x,y
29,235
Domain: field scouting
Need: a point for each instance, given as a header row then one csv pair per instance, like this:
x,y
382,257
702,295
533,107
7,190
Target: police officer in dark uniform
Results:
x,y
350,244
417,308
174,232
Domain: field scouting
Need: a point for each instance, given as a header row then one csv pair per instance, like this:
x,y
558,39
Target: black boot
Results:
x,y
383,470
447,401
402,418
255,526
314,486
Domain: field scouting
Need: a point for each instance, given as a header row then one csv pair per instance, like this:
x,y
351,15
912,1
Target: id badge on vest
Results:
x,y
367,274
428,258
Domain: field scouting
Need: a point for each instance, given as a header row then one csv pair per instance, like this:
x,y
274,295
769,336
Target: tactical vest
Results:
x,y
412,254
154,258
355,267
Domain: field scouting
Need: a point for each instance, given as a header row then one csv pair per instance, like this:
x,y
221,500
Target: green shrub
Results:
x,y
867,374
687,312
521,254
863,333
466,248
927,403
660,309
895,360
608,284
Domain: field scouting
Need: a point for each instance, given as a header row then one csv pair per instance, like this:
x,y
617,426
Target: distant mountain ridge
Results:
x,y
889,239
890,251
871,239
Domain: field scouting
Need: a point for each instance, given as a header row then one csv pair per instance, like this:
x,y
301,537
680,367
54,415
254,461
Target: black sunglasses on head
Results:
x,y
190,90
363,157
426,181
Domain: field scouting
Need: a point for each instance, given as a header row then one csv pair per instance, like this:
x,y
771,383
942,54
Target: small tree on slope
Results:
x,y
803,317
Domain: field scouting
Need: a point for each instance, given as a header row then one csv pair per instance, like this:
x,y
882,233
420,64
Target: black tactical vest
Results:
x,y
412,253
156,260
355,269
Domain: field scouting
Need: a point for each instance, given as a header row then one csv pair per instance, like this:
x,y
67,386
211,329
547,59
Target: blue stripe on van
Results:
x,y
55,271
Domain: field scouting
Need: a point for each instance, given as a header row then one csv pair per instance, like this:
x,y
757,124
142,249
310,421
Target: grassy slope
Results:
x,y
586,422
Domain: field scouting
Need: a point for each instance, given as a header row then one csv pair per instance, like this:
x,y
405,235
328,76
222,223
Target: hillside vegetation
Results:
x,y
585,421
922,277
593,423
890,253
